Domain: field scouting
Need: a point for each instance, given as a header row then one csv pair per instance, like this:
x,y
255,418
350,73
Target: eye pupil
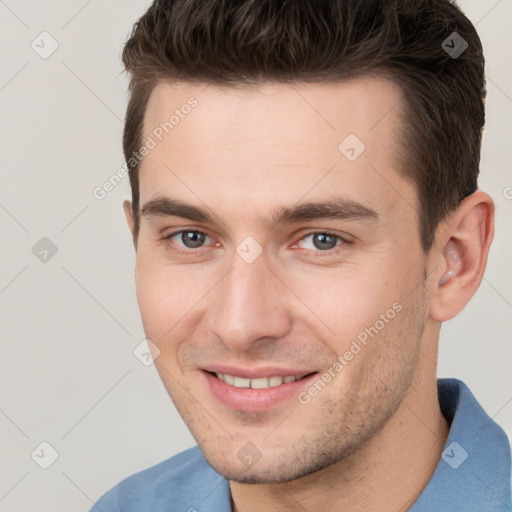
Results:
x,y
324,241
192,239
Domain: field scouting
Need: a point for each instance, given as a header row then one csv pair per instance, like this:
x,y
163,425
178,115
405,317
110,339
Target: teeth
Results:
x,y
275,381
240,382
228,379
260,383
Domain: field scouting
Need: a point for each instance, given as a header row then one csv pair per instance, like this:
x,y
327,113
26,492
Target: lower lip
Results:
x,y
254,400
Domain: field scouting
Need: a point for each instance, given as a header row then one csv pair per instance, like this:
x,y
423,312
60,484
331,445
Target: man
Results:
x,y
305,214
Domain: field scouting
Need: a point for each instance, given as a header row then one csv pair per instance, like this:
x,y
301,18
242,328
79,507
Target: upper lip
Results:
x,y
256,373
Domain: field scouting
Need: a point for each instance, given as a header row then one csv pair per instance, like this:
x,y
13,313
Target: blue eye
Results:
x,y
191,242
323,241
189,238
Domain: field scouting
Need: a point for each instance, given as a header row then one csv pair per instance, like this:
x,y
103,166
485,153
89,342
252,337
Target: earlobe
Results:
x,y
462,255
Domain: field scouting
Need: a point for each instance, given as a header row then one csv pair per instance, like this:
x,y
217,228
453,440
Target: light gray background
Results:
x,y
69,326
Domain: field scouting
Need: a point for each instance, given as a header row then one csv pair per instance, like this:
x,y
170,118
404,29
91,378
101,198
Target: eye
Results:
x,y
321,241
189,239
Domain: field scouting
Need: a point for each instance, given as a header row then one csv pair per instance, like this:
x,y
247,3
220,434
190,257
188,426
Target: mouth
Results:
x,y
260,382
257,394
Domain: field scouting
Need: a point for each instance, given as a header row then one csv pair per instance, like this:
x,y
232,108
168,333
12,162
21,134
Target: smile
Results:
x,y
259,383
258,394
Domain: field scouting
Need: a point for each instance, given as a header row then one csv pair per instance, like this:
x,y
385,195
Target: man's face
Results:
x,y
257,292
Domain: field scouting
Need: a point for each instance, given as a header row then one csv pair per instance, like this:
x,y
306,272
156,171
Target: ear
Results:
x,y
128,212
461,250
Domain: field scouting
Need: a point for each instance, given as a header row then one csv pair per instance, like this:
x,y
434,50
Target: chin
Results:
x,y
270,468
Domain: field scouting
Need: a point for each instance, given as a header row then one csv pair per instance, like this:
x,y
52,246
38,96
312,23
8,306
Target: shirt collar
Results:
x,y
473,473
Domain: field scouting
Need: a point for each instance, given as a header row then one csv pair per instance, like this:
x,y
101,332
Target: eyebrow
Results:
x,y
335,208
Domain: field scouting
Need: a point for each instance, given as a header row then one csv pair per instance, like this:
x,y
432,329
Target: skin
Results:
x,y
372,438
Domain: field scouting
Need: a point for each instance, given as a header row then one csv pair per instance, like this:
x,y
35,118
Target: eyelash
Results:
x,y
317,252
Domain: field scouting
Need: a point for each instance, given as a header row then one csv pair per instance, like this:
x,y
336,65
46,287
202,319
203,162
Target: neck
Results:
x,y
387,473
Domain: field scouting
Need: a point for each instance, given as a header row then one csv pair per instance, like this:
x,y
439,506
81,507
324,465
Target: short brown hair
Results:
x,y
230,42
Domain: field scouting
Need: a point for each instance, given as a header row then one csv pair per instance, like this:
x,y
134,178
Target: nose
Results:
x,y
250,305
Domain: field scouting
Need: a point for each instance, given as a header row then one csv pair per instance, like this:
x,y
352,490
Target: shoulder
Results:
x,y
173,482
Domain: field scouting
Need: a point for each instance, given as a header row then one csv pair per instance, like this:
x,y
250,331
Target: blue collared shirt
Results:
x,y
473,474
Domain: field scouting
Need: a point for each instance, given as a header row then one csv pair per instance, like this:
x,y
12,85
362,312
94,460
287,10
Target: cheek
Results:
x,y
165,294
345,297
361,302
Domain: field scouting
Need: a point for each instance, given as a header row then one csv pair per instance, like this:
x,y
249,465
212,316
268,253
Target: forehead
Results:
x,y
274,140
288,111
